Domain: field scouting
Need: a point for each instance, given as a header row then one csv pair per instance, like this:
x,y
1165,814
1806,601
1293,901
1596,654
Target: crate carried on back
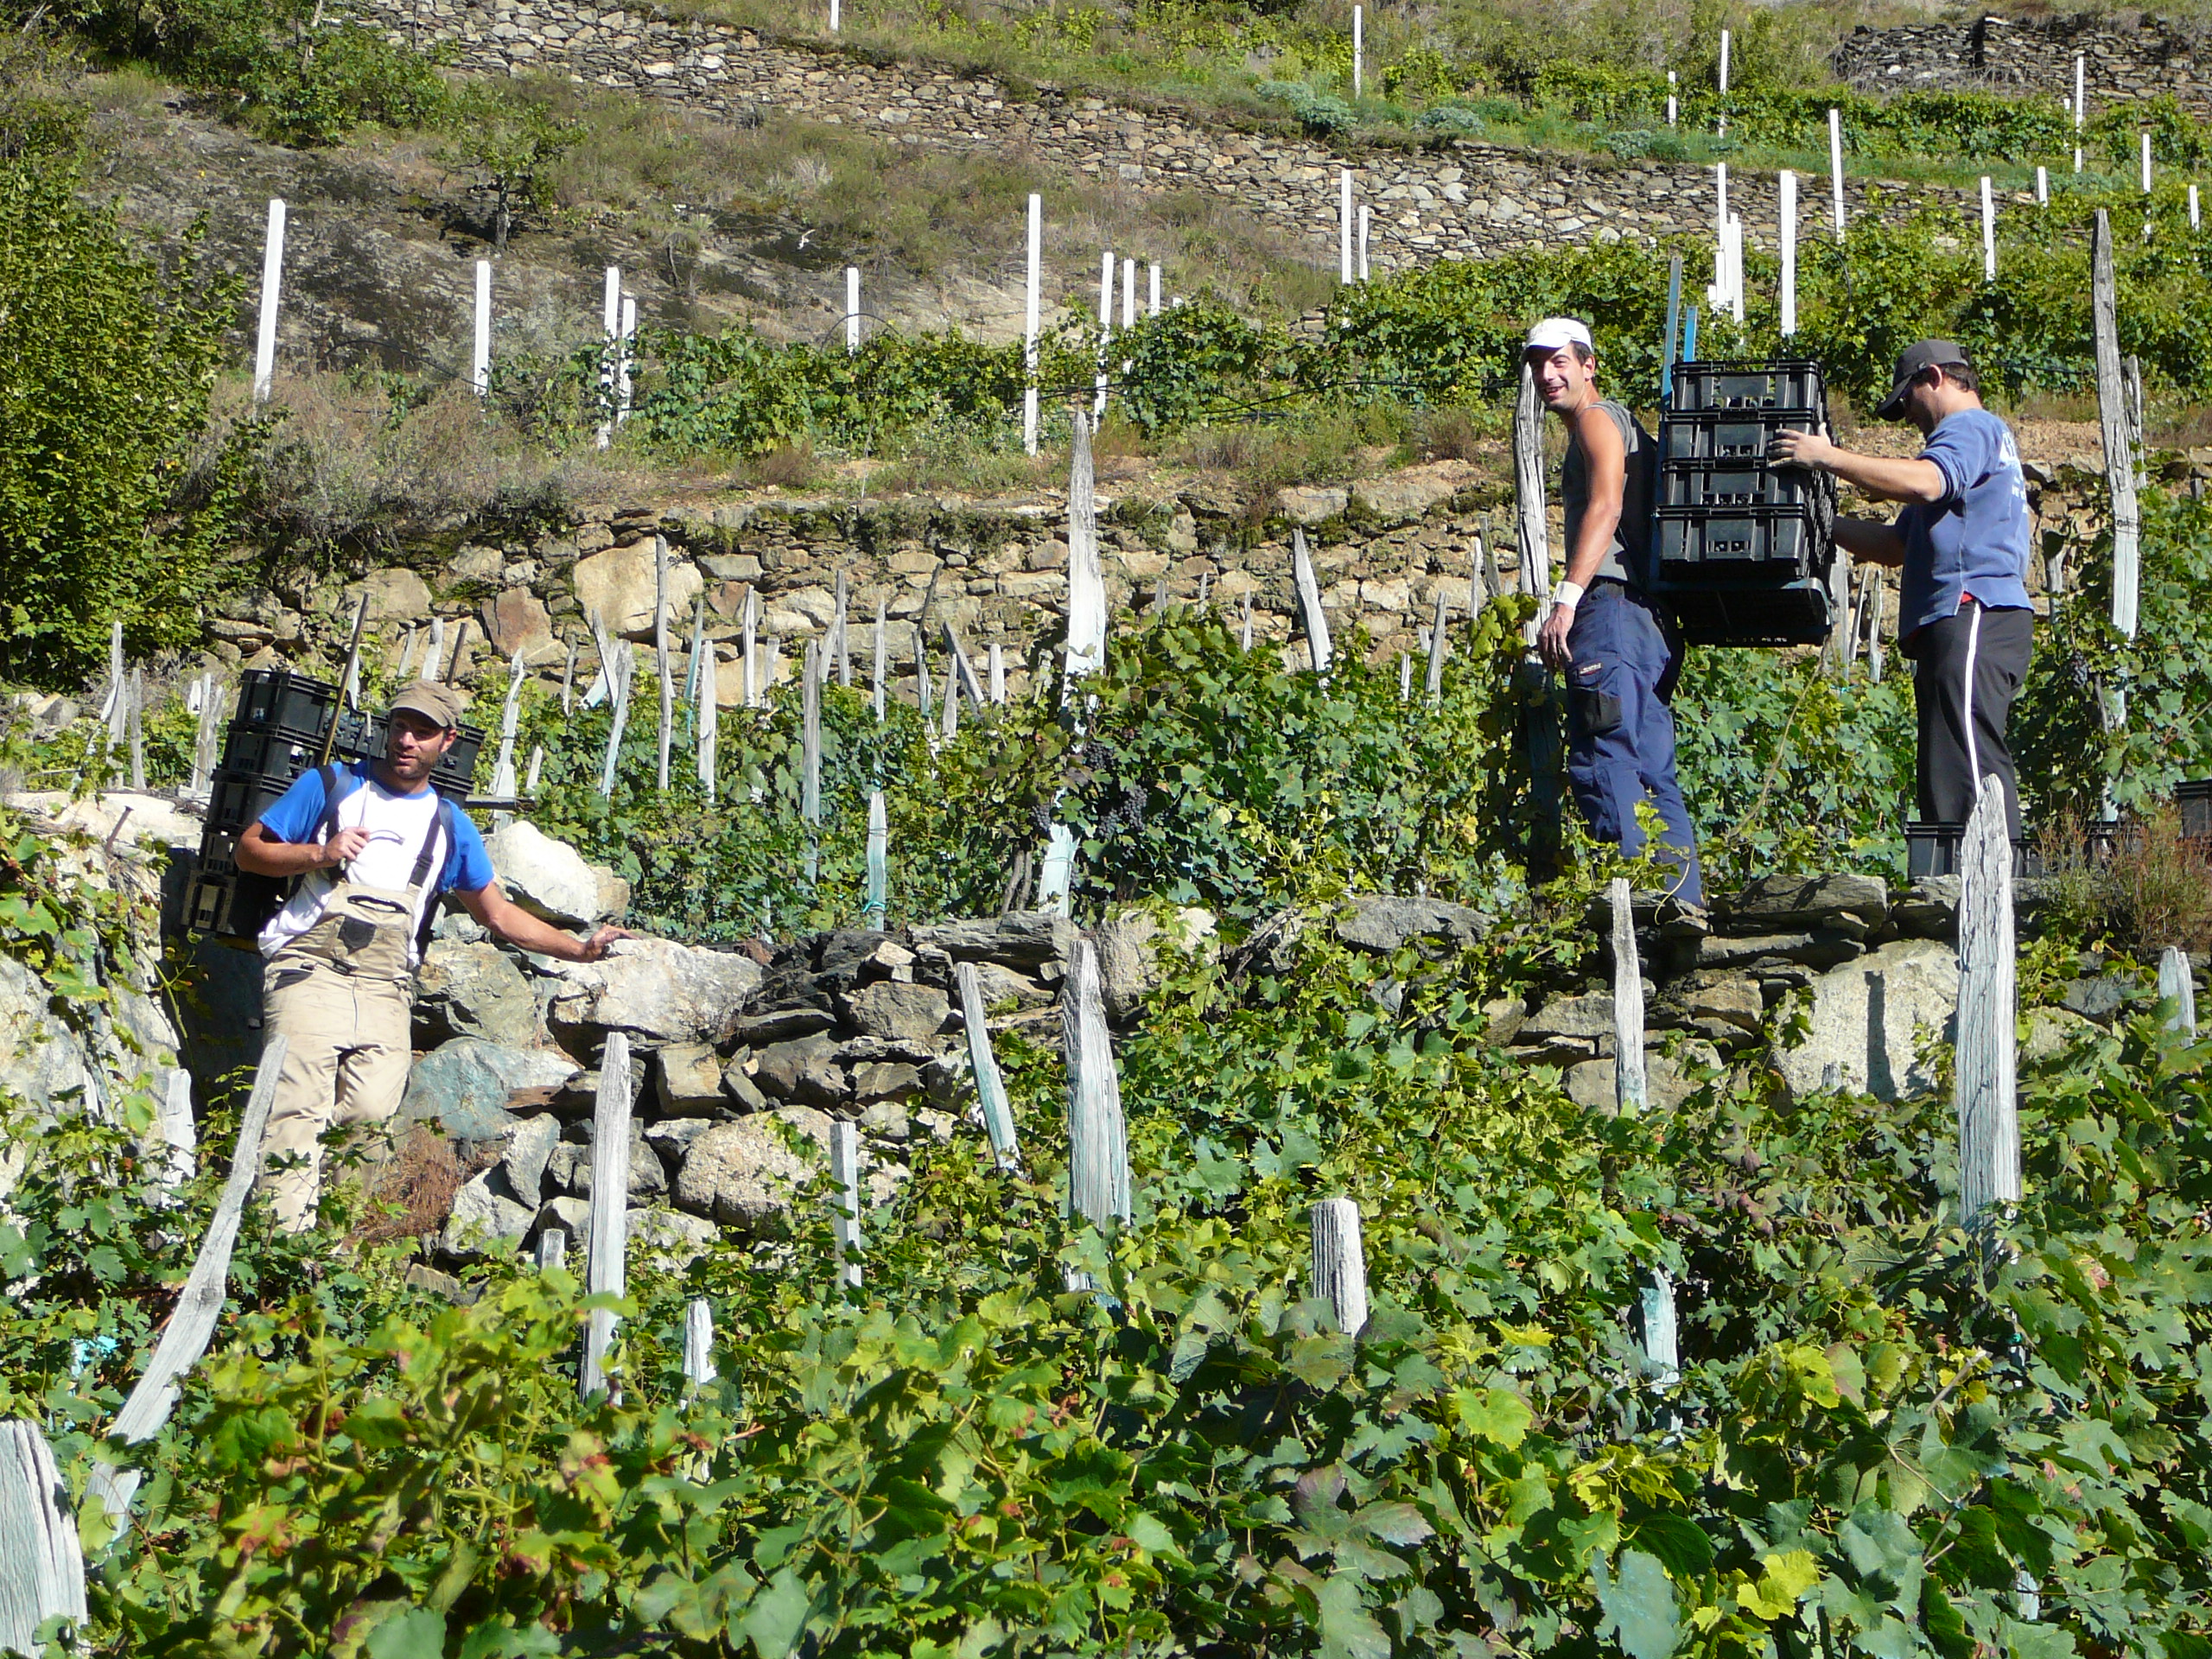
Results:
x,y
278,732
1743,549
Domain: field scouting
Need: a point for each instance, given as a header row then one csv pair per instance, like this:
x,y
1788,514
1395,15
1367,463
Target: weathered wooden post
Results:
x,y
434,651
604,1268
1031,288
1086,646
1631,1094
1405,673
192,1324
1438,645
1098,1154
998,672
2119,458
922,678
1244,633
982,1064
751,627
698,1343
454,656
771,657
174,1127
1989,1123
852,310
536,762
1309,603
2176,987
837,636
660,659
1835,166
809,804
1988,232
879,862
480,357
567,679
115,705
1661,1344
552,1247
1789,226
42,1565
882,663
610,310
135,726
503,770
204,740
707,708
614,665
845,1199
1340,1263
963,671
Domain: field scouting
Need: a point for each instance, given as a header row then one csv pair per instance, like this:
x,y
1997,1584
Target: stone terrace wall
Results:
x,y
1457,199
1382,548
2151,57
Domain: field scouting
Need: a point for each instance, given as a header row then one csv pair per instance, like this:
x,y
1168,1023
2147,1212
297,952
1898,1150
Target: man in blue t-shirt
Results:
x,y
1963,613
341,955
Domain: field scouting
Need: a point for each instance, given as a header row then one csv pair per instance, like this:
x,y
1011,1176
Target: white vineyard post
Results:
x,y
1031,291
2043,186
42,1563
810,807
1366,218
2081,103
1988,232
1630,1091
698,1343
1340,1263
1344,225
1309,603
2176,987
852,310
661,661
751,631
708,708
1835,167
845,1199
1098,1153
1674,109
1988,1112
272,282
610,318
1721,129
604,1268
1358,51
1438,646
480,364
1789,240
982,1065
1152,300
879,862
1086,648
1105,329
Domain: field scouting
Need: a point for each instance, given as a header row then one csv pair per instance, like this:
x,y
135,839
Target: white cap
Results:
x,y
1553,332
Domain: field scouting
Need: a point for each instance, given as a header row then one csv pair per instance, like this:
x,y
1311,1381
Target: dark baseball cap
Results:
x,y
431,700
1913,362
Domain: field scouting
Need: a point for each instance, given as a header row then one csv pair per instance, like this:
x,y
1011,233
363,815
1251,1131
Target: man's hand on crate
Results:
x,y
1811,451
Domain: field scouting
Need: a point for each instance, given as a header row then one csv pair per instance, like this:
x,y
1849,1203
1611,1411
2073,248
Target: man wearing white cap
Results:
x,y
1604,632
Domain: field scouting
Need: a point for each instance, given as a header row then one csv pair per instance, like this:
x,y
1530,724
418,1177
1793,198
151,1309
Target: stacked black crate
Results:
x,y
278,733
1743,548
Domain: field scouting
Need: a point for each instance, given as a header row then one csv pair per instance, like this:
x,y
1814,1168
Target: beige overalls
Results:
x,y
341,994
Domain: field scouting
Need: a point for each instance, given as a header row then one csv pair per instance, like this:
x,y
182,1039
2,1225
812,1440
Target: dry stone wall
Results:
x,y
1455,198
2036,55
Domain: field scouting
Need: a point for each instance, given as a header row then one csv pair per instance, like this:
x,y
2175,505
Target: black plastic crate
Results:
x,y
1736,544
230,904
1749,613
1932,850
278,699
1726,436
1767,388
1701,484
2193,798
235,799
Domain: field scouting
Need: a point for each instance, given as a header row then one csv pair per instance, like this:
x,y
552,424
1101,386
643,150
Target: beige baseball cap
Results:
x,y
433,702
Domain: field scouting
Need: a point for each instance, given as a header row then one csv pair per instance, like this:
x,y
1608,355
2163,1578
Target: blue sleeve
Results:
x,y
469,869
1962,451
298,813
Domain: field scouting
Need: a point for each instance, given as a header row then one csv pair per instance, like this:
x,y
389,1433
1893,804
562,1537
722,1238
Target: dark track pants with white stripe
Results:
x,y
1967,668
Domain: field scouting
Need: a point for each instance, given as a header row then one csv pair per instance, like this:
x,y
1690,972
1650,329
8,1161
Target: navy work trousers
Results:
x,y
1620,736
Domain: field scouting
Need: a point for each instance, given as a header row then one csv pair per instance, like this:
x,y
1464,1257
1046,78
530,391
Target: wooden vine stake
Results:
x,y
1438,646
810,800
503,770
552,1247
882,663
1989,1123
845,1199
660,659
752,629
1086,647
1340,1263
2113,417
2176,987
1663,1358
614,668
1630,1091
41,1566
1309,603
838,635
192,1324
1098,1153
135,724
698,1343
205,742
608,1243
990,1087
707,708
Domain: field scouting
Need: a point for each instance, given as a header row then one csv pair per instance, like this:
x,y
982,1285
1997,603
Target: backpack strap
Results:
x,y
329,775
445,822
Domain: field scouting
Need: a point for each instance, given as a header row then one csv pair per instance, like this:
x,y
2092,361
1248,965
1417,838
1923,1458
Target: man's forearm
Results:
x,y
1870,541
511,925
258,857
1889,477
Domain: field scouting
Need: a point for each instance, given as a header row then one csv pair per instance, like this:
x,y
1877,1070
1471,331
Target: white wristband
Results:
x,y
1568,594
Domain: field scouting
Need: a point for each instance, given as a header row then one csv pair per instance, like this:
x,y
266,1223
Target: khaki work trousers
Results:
x,y
347,1047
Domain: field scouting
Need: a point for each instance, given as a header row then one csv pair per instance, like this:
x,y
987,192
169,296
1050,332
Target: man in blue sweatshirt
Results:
x,y
1961,541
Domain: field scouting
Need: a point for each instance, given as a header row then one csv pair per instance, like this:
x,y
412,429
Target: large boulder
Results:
x,y
743,1174
1026,939
475,1088
658,990
1866,1017
808,1070
617,586
471,987
1667,1081
569,1169
1783,904
485,1220
552,880
1385,922
528,1148
888,1009
690,1080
